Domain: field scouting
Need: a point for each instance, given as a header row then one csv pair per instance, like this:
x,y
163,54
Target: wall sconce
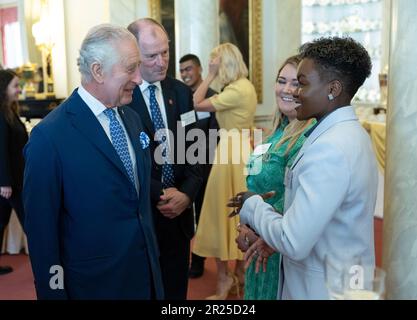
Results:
x,y
42,31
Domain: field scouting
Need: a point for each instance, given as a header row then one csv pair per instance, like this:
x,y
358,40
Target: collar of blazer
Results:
x,y
337,116
85,122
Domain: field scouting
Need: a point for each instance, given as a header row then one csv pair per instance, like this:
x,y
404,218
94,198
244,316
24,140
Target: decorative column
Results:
x,y
400,216
197,29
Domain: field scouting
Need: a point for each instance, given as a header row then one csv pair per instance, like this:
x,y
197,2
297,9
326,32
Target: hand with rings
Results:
x,y
259,251
245,237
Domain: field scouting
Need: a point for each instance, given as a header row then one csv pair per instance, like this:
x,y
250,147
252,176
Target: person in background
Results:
x,y
13,137
331,186
166,108
235,110
191,74
86,185
281,147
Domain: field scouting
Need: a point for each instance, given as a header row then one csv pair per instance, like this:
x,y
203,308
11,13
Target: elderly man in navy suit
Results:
x,y
86,184
165,104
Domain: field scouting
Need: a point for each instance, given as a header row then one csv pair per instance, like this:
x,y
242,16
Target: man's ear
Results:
x,y
97,72
335,88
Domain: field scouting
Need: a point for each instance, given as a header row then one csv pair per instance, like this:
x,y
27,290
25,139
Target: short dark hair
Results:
x,y
192,57
342,58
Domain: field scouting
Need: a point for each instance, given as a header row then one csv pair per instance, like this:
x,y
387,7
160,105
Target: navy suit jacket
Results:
x,y
84,214
178,100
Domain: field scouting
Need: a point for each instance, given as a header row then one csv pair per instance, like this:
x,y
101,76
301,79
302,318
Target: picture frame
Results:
x,y
254,41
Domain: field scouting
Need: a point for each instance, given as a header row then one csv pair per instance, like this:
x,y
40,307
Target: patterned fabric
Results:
x,y
119,141
264,285
168,179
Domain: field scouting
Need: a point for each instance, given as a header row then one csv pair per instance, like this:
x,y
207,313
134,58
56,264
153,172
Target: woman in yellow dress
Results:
x,y
235,109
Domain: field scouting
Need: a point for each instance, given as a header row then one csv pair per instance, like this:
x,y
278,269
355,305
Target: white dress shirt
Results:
x,y
158,94
97,108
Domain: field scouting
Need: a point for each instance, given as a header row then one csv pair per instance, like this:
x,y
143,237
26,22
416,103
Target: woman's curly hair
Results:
x,y
341,59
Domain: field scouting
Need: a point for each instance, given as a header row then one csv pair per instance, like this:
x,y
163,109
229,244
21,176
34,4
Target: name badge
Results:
x,y
203,115
288,177
261,149
188,118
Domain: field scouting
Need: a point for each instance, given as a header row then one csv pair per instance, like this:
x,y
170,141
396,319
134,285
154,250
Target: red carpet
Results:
x,y
18,285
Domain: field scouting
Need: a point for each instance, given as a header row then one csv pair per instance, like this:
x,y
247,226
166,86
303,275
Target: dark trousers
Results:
x,y
174,259
6,206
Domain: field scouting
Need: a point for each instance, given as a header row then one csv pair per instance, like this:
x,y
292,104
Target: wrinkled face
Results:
x,y
154,49
285,86
13,90
311,96
124,76
190,73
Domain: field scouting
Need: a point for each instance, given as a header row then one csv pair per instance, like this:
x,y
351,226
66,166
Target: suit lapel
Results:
x,y
170,106
85,122
139,105
339,115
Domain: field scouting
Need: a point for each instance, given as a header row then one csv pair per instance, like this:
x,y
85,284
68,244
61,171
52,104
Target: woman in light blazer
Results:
x,y
330,189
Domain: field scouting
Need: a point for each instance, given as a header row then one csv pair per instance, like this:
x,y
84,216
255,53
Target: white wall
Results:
x,y
80,16
123,12
59,55
281,38
196,30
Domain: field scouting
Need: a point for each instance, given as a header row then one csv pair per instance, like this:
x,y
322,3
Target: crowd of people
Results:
x,y
110,196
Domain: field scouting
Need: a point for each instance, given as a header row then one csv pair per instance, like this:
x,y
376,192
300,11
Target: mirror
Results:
x,y
16,20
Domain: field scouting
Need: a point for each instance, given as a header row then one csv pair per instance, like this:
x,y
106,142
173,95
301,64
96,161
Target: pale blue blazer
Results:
x,y
329,203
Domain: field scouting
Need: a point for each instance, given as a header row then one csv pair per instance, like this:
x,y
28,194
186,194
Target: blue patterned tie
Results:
x,y
168,179
119,141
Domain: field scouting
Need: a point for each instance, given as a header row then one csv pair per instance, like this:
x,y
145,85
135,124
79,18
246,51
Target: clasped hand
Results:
x,y
259,251
6,192
254,247
248,241
172,203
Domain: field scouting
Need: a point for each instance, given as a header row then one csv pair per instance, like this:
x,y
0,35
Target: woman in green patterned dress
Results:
x,y
266,173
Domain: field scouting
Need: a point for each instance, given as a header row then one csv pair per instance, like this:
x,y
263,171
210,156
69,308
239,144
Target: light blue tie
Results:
x,y
119,141
168,179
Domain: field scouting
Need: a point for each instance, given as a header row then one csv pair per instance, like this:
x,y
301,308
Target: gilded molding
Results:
x,y
255,47
155,9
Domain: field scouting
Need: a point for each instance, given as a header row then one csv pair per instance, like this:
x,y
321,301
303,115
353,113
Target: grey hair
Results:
x,y
98,47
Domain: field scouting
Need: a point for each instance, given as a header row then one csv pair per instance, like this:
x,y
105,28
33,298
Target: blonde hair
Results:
x,y
295,129
232,67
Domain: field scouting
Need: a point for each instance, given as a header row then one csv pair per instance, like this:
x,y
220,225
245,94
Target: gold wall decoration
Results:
x,y
155,9
255,47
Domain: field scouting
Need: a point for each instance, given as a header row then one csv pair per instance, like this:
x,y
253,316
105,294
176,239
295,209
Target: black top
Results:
x,y
13,138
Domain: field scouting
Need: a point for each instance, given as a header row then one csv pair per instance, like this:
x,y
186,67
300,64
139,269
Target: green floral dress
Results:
x,y
273,163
